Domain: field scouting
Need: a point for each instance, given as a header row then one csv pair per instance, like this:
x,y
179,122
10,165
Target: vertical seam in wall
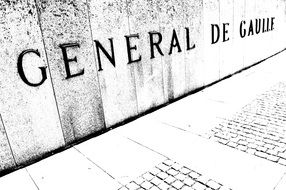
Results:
x,y
219,46
233,20
132,66
162,63
244,12
203,40
187,78
8,139
94,57
44,44
186,90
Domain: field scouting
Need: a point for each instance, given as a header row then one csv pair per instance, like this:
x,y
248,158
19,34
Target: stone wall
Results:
x,y
72,68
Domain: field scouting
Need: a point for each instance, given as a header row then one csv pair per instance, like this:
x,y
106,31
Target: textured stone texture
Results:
x,y
211,51
6,155
172,17
238,43
194,67
281,22
143,18
29,113
227,63
257,46
79,99
109,19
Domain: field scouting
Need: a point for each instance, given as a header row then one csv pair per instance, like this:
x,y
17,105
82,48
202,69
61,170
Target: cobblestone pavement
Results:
x,y
259,128
170,175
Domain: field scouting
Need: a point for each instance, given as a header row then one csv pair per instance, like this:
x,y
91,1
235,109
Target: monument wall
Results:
x,y
73,68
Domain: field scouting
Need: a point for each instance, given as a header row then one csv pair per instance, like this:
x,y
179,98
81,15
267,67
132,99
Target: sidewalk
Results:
x,y
231,135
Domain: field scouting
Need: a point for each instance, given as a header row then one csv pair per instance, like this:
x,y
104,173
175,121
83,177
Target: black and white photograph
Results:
x,y
143,95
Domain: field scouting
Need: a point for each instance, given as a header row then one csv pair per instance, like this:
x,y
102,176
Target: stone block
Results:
x,y
29,113
66,30
144,21
109,19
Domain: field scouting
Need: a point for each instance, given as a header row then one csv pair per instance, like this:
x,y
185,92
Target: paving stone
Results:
x,y
172,172
199,186
261,149
273,158
224,188
154,188
132,186
148,176
261,154
163,167
232,144
282,155
139,180
189,181
170,179
163,186
168,162
177,184
194,175
155,171
146,185
162,175
269,146
252,145
203,179
185,170
185,187
180,176
213,184
251,151
272,152
282,161
176,166
242,147
156,181
242,142
223,141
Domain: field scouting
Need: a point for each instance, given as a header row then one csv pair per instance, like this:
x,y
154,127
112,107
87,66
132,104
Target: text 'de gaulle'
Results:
x,y
246,28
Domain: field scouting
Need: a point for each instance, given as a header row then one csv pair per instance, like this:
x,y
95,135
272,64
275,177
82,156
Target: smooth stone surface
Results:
x,y
113,153
70,170
18,180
